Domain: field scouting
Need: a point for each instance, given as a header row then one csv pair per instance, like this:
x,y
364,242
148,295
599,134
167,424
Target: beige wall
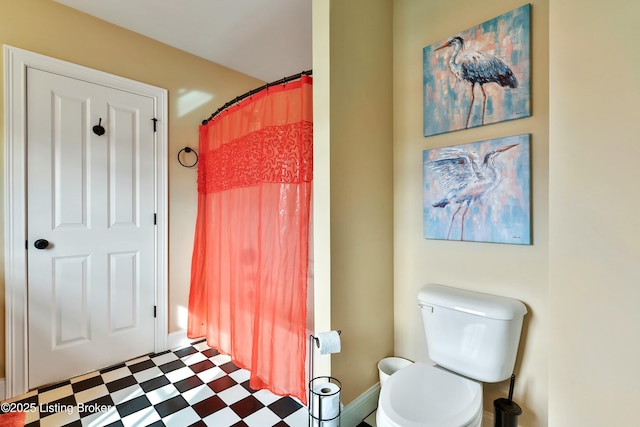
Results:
x,y
196,88
511,270
354,176
594,222
361,189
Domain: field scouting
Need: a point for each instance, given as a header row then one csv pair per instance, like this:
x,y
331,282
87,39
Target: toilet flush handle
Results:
x,y
429,308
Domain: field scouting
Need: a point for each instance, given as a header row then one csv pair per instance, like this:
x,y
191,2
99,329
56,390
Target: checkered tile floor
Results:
x,y
193,386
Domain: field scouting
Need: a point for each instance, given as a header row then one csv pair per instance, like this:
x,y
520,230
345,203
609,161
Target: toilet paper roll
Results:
x,y
325,404
328,342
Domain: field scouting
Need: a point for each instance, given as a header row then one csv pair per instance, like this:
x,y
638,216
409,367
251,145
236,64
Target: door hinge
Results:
x,y
155,121
26,244
155,311
155,219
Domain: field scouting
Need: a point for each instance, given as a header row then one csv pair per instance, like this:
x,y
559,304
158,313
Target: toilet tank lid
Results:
x,y
476,303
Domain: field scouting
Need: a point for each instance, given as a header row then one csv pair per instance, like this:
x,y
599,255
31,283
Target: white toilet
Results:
x,y
473,338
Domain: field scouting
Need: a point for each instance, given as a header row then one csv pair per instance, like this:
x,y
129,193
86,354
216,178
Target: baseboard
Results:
x,y
360,408
2,390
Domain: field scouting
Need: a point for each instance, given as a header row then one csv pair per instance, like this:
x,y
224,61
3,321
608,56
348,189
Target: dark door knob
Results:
x,y
41,244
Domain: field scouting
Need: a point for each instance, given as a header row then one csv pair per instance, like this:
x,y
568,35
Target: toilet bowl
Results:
x,y
421,395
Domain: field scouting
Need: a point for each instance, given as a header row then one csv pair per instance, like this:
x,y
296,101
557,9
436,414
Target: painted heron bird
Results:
x,y
467,178
478,68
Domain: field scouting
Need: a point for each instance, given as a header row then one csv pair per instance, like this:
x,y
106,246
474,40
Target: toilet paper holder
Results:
x,y
325,407
316,340
319,419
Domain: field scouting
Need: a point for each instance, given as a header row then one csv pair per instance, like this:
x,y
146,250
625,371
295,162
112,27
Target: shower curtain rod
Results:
x,y
254,91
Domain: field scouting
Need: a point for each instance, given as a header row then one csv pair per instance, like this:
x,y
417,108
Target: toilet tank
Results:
x,y
471,333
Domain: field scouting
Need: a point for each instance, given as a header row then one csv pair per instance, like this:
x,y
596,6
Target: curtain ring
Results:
x,y
188,150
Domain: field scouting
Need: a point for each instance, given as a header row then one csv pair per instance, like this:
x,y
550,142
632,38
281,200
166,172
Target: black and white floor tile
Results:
x,y
193,386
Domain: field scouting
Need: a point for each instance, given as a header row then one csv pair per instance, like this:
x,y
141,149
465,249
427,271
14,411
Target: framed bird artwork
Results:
x,y
479,76
479,192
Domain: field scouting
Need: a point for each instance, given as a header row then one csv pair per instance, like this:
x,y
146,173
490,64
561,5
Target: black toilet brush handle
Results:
x,y
513,380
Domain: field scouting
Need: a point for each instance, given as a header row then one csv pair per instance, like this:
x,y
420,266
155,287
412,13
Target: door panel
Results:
x,y
124,279
70,283
91,292
123,166
69,144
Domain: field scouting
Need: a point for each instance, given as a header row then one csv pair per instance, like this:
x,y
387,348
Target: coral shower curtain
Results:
x,y
250,259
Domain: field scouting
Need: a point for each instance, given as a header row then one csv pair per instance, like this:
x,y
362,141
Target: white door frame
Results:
x,y
16,62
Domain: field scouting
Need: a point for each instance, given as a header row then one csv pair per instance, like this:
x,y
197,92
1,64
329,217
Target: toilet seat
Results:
x,y
420,395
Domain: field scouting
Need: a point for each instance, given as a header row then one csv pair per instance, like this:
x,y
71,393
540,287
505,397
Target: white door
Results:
x,y
90,226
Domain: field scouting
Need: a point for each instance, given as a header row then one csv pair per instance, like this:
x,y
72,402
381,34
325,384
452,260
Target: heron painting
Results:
x,y
479,191
479,76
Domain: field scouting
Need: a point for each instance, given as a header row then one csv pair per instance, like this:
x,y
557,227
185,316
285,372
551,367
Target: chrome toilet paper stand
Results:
x,y
320,421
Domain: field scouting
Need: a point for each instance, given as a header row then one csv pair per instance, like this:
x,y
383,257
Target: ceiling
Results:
x,y
265,39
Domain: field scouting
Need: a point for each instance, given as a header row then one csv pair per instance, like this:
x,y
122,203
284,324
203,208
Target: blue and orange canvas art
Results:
x,y
479,76
479,191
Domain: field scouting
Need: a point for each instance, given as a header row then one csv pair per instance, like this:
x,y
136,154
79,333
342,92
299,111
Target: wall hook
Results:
x,y
188,150
98,129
